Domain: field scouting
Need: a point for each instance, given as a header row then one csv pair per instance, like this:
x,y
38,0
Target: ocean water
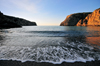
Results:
x,y
53,44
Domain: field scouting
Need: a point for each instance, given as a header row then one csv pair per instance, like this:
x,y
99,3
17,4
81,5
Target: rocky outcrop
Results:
x,y
92,19
83,19
72,20
11,22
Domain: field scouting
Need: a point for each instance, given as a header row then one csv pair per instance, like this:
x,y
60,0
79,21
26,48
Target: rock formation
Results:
x,y
94,18
11,22
71,20
83,19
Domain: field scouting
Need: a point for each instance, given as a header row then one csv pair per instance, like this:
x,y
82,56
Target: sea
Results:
x,y
51,44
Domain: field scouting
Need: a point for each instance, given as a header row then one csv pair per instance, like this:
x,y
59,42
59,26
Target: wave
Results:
x,y
70,52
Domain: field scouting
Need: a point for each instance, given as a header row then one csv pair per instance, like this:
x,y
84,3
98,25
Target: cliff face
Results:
x,y
71,20
94,18
83,19
11,22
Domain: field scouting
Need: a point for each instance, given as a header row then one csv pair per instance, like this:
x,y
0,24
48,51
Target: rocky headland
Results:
x,y
83,19
12,22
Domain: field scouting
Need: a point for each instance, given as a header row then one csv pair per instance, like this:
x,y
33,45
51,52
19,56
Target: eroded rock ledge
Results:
x,y
83,19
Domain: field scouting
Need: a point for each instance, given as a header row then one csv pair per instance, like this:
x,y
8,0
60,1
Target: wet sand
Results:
x,y
30,63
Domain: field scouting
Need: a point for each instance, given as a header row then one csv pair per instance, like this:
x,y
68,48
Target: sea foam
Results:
x,y
51,54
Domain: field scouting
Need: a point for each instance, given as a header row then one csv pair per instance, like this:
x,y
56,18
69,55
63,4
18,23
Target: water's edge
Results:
x,y
50,44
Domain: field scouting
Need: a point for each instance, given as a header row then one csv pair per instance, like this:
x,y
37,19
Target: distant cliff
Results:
x,y
72,20
83,19
10,21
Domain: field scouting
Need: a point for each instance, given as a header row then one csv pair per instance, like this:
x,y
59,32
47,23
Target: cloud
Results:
x,y
26,5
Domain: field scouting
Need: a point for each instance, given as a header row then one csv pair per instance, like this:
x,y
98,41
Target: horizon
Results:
x,y
46,12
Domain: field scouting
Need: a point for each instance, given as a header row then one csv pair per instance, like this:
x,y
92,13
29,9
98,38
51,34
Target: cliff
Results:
x,y
72,20
11,22
83,19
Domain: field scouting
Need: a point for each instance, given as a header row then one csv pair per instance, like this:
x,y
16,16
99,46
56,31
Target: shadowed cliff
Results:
x,y
11,22
83,19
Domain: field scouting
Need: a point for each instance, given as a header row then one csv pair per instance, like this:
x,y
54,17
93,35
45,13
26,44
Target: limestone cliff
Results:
x,y
10,21
83,19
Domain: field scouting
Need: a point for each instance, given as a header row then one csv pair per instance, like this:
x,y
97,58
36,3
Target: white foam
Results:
x,y
51,54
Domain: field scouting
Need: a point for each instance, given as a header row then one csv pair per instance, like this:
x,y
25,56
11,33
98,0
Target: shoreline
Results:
x,y
32,63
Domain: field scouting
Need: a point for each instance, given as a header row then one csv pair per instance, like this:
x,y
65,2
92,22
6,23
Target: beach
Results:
x,y
62,46
31,63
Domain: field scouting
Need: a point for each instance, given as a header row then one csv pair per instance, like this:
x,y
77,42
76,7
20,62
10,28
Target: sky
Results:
x,y
46,12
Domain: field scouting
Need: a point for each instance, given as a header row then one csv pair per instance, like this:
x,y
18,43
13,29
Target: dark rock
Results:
x,y
12,22
8,25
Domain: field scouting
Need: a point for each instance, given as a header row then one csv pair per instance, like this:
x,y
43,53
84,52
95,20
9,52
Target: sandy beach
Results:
x,y
29,63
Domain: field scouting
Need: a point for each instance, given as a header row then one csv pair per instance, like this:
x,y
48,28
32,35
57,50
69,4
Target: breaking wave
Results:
x,y
71,52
